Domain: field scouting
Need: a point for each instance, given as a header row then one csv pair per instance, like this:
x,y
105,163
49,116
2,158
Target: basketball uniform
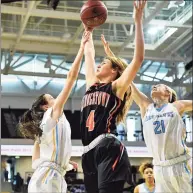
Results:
x,y
55,153
164,132
143,189
106,160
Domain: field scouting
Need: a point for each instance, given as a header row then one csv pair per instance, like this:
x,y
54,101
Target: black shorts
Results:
x,y
105,164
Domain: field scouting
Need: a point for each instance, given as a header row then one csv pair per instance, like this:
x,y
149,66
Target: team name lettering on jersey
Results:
x,y
149,117
96,98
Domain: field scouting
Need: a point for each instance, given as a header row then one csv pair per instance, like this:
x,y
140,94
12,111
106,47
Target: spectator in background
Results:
x,y
134,172
146,170
121,132
28,179
19,182
6,173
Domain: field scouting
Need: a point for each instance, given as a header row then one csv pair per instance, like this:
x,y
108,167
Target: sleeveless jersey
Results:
x,y
99,110
143,188
55,143
164,132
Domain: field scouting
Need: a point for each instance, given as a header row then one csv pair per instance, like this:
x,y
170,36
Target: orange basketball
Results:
x,y
93,13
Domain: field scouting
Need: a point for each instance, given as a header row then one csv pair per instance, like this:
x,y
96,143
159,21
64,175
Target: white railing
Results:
x,y
53,30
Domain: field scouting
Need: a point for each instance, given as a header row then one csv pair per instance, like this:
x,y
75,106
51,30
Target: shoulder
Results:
x,y
175,107
136,190
150,107
139,188
178,105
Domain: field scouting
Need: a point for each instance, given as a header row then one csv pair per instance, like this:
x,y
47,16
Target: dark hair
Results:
x,y
144,166
29,123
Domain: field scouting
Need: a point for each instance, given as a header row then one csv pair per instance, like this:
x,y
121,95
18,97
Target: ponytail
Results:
x,y
121,65
29,123
173,96
129,100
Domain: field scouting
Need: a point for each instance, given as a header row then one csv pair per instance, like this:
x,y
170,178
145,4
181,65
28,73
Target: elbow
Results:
x,y
140,59
139,56
138,62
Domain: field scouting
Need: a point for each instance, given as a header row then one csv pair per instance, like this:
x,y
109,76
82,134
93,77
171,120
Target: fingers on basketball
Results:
x,y
87,35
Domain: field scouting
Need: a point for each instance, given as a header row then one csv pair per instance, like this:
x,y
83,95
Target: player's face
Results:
x,y
105,69
159,90
50,100
148,174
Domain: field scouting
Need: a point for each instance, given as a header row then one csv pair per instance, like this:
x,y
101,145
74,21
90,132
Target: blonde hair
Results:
x,y
173,95
144,166
120,65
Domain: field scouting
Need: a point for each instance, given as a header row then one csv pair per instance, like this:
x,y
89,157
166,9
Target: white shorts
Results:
x,y
175,178
47,178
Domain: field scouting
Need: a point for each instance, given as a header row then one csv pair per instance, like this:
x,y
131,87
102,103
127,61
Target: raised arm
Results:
x,y
140,99
183,106
36,151
89,53
123,82
71,77
107,49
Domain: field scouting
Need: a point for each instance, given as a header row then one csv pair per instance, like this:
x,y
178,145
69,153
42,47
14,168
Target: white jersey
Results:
x,y
164,132
143,189
55,153
55,143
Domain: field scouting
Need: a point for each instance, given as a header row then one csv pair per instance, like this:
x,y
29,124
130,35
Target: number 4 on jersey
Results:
x,y
90,121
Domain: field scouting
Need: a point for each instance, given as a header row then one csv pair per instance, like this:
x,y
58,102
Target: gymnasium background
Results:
x,y
38,46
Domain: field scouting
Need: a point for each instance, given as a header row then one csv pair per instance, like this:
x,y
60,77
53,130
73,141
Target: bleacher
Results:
x,y
10,118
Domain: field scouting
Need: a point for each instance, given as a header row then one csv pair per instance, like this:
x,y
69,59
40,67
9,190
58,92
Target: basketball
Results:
x,y
93,13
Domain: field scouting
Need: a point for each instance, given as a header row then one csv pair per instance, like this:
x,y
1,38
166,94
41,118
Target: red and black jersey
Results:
x,y
99,110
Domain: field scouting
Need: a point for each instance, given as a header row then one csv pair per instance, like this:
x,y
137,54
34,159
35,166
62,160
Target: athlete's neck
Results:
x,y
105,80
159,103
150,184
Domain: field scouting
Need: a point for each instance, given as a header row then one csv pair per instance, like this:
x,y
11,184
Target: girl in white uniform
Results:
x,y
164,130
146,170
46,123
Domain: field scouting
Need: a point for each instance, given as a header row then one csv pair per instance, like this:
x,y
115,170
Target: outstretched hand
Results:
x,y
87,28
139,6
85,38
106,46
